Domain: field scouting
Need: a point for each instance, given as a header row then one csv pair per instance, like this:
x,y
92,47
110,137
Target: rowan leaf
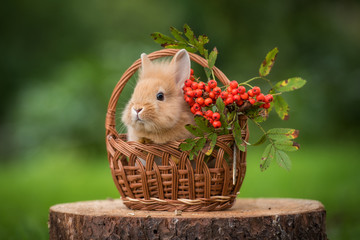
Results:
x,y
208,72
202,124
281,107
238,137
267,157
260,141
177,35
212,137
280,134
212,58
162,39
194,130
188,144
283,160
200,143
268,62
189,33
289,84
287,145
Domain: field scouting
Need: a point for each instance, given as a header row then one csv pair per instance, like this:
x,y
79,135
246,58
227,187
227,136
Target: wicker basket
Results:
x,y
172,186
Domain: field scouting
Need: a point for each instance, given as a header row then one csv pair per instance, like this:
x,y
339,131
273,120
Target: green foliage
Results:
x,y
290,84
268,62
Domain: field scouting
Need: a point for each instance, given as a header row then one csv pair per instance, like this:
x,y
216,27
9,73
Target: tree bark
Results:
x,y
247,219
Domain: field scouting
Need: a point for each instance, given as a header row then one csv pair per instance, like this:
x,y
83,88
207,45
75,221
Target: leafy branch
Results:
x,y
280,140
187,40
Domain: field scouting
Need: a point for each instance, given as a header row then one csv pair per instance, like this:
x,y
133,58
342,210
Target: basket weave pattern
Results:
x,y
176,183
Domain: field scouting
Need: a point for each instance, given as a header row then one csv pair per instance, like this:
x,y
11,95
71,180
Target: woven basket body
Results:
x,y
181,184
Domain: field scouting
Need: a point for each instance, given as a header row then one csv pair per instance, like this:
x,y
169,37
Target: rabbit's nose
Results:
x,y
138,110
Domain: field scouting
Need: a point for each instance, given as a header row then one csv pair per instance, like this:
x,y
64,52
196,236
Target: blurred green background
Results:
x,y
61,59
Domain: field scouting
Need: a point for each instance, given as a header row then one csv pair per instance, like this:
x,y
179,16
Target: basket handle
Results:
x,y
110,123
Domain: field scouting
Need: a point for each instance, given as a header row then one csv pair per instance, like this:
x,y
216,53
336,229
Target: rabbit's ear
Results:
x,y
182,63
145,62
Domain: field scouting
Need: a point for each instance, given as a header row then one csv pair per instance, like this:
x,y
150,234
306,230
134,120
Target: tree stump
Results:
x,y
247,219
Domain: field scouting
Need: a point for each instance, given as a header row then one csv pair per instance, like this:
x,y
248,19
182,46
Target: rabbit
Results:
x,y
157,112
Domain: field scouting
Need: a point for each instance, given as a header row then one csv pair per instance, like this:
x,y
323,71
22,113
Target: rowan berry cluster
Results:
x,y
202,96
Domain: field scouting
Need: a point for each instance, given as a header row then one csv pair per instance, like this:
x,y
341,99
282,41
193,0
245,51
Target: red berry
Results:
x,y
197,107
216,124
207,88
192,109
234,91
250,93
199,113
239,102
194,85
200,101
260,98
187,89
266,105
252,101
269,98
201,85
212,95
229,89
233,84
229,100
191,71
244,96
224,95
209,113
197,93
192,78
212,83
188,82
217,90
236,98
190,93
208,101
216,116
241,89
256,90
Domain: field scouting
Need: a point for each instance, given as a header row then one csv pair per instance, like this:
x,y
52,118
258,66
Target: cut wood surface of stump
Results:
x,y
247,219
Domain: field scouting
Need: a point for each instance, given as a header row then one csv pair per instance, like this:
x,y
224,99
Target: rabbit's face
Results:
x,y
152,108
157,101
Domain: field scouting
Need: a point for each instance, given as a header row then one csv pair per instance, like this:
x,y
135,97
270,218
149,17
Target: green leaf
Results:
x,y
220,104
283,160
212,137
268,63
238,137
289,84
267,157
280,134
194,130
212,58
232,116
260,141
200,143
208,72
162,39
202,124
189,34
287,145
281,107
177,35
188,144
202,40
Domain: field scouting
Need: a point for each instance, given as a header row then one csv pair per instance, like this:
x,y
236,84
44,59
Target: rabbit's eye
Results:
x,y
160,96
